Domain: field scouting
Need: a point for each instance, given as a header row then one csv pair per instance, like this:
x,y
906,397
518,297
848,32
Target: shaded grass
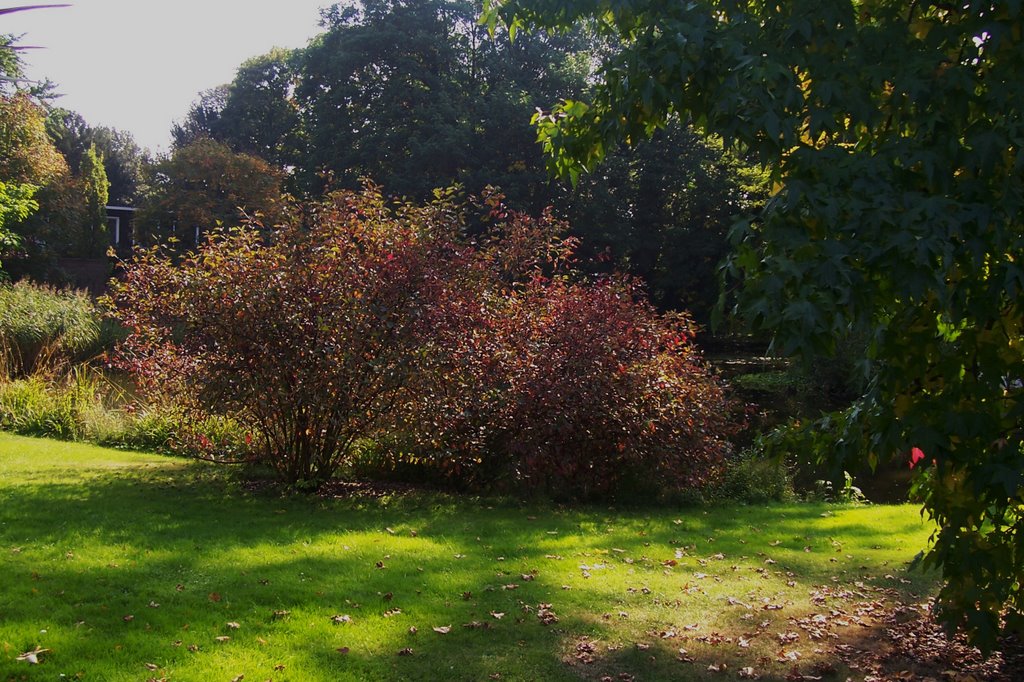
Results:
x,y
114,560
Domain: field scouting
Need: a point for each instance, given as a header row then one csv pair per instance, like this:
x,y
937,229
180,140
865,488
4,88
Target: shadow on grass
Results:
x,y
150,566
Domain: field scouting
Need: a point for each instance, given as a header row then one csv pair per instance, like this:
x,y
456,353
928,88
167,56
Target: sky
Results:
x,y
137,65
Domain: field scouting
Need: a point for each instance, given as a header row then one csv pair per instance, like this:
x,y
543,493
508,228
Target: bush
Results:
x,y
487,358
42,329
574,389
305,339
37,407
546,381
755,479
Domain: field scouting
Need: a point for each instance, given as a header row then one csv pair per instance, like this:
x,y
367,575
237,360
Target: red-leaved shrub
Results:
x,y
488,356
544,380
305,336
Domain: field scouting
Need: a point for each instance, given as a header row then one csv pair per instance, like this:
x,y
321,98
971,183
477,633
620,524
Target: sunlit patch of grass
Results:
x,y
130,567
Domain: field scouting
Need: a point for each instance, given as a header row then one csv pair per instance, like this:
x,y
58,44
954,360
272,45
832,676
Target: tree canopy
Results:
x,y
893,133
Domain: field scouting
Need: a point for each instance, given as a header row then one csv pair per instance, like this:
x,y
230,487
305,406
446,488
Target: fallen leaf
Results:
x,y
222,638
279,667
278,615
747,673
214,597
238,678
129,618
405,652
413,630
341,619
443,629
153,605
497,614
717,667
233,625
152,666
342,650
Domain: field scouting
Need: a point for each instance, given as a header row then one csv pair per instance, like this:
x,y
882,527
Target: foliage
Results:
x,y
42,328
570,389
123,159
38,406
892,129
305,339
93,230
662,211
254,115
204,185
16,204
417,95
542,380
754,479
26,153
333,328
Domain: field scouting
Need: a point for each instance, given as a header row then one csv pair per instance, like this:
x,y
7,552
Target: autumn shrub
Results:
x,y
42,328
304,338
576,388
544,380
480,357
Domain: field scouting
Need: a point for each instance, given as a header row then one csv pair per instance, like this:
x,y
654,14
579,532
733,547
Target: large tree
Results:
x,y
123,159
255,114
893,129
203,185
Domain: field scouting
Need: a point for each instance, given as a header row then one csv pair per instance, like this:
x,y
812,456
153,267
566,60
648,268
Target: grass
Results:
x,y
127,566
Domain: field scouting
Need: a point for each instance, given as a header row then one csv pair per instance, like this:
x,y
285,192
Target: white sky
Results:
x,y
137,65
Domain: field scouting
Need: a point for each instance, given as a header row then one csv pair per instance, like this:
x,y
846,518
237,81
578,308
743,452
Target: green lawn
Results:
x,y
127,566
